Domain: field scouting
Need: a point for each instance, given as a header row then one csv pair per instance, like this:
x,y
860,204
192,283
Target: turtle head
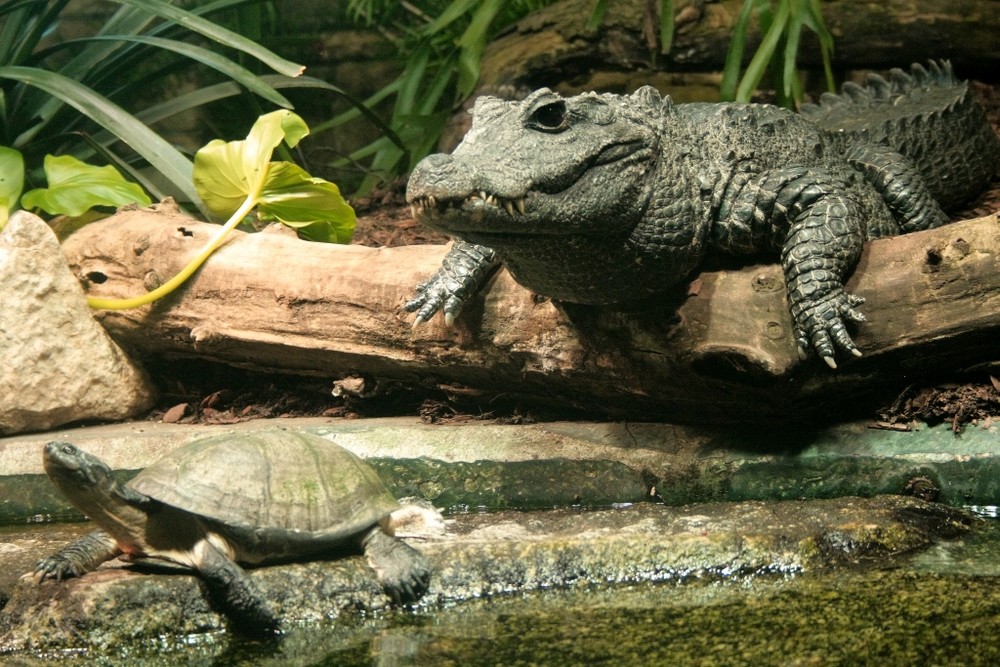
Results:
x,y
74,470
87,482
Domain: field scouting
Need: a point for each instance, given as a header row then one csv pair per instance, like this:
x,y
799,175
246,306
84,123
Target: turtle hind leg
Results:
x,y
234,593
79,557
402,570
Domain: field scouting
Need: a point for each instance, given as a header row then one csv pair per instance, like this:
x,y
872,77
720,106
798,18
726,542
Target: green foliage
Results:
x,y
781,22
90,96
311,206
235,177
441,43
75,187
11,181
230,174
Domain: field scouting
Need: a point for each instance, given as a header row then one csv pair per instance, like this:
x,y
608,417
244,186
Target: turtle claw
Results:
x,y
77,558
55,567
402,570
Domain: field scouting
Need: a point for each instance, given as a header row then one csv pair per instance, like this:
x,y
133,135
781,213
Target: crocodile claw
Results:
x,y
463,272
821,326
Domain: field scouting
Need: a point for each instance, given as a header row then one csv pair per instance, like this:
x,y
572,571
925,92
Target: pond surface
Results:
x,y
941,607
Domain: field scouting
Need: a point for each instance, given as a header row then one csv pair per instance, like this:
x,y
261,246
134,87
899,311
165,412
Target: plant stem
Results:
x,y
185,273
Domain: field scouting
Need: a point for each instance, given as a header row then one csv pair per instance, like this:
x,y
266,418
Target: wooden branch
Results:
x,y
719,348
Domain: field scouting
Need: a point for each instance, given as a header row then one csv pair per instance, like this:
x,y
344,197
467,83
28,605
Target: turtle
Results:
x,y
218,502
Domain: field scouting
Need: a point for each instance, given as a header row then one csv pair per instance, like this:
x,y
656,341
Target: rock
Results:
x,y
59,365
483,555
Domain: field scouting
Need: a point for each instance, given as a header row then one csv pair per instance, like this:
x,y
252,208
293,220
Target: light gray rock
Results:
x,y
58,364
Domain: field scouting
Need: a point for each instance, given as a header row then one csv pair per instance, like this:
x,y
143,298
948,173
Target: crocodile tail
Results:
x,y
926,114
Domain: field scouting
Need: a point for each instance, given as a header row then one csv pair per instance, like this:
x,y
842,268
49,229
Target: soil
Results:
x,y
192,393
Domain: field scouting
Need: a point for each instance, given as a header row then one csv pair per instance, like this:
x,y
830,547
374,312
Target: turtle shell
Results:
x,y
281,482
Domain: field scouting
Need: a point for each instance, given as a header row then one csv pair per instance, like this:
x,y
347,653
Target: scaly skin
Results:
x,y
604,199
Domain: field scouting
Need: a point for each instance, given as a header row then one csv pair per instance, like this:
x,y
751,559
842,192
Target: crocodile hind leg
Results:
x,y
896,178
79,557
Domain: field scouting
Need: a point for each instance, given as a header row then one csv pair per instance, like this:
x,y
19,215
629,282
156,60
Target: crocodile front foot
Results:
x,y
464,270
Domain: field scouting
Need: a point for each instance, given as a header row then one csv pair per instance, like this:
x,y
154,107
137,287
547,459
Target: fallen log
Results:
x,y
719,348
554,45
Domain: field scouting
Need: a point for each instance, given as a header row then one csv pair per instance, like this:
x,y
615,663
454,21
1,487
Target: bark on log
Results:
x,y
553,45
720,348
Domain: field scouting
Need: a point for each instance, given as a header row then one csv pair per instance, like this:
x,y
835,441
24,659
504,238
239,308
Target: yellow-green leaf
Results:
x,y
227,173
311,205
11,181
74,187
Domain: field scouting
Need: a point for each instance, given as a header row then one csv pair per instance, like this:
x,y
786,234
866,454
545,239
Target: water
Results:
x,y
941,607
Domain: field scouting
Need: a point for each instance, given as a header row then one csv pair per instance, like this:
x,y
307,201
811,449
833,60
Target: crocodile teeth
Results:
x,y
513,206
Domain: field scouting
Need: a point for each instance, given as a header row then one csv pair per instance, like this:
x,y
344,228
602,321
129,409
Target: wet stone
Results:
x,y
494,555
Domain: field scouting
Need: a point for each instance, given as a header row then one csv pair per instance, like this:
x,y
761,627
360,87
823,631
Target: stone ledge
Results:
x,y
485,555
546,465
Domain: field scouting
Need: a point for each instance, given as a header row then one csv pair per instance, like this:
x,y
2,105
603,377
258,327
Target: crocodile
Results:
x,y
606,199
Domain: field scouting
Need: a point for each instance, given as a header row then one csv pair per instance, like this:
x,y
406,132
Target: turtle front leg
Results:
x,y
234,592
79,557
402,570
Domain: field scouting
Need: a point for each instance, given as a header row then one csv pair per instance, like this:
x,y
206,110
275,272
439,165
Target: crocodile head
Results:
x,y
546,182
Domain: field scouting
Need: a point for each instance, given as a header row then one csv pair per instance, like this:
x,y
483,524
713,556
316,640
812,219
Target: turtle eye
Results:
x,y
68,449
550,117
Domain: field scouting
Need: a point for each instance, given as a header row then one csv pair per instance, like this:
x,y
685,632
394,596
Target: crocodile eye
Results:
x,y
550,117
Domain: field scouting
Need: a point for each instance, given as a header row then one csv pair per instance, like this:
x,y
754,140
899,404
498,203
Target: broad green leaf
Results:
x,y
311,205
227,173
75,187
11,181
219,176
